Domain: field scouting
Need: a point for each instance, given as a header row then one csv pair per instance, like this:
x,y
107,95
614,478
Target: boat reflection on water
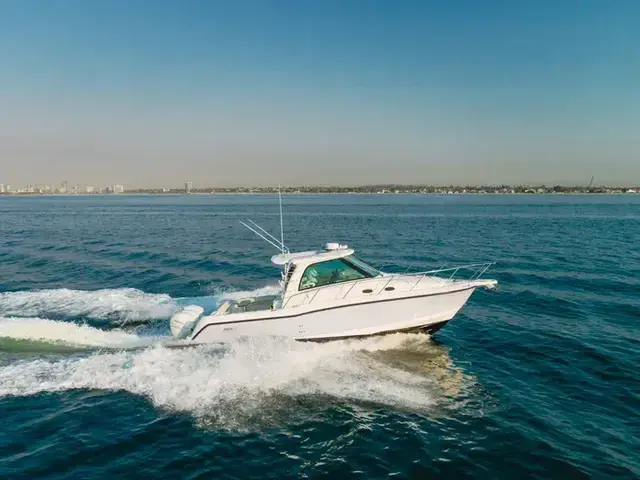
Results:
x,y
423,356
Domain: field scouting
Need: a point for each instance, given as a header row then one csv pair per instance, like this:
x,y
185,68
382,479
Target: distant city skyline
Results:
x,y
255,93
64,188
364,189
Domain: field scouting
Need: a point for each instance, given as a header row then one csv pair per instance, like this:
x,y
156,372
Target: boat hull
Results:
x,y
427,313
428,329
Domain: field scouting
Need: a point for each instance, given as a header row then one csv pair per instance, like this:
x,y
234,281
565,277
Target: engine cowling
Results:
x,y
183,322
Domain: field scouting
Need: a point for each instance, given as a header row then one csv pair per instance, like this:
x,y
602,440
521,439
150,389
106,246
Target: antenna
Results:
x,y
266,236
279,247
281,220
271,240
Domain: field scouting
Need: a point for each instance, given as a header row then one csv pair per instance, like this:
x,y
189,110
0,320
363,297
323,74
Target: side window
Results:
x,y
327,273
290,273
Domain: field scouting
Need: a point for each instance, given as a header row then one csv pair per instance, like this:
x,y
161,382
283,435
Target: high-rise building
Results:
x,y
118,189
88,189
64,187
2,190
188,186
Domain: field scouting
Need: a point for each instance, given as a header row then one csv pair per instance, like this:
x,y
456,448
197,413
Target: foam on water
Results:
x,y
51,331
235,384
121,304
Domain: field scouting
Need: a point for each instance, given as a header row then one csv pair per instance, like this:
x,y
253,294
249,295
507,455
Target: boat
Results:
x,y
331,294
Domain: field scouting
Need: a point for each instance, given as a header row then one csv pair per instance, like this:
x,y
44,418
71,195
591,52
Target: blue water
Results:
x,y
538,379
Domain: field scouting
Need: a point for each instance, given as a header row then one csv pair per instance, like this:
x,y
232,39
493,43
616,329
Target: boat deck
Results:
x,y
251,304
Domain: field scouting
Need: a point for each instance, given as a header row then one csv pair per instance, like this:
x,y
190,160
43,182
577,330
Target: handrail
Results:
x,y
478,270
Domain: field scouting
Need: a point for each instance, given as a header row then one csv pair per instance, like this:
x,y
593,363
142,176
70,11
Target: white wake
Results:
x,y
245,380
121,304
51,331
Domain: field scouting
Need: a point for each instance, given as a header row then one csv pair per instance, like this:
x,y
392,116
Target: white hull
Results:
x,y
356,317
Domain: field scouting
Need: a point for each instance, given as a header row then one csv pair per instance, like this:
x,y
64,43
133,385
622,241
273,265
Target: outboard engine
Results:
x,y
183,322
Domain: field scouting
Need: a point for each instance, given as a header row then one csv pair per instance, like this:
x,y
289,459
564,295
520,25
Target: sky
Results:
x,y
342,92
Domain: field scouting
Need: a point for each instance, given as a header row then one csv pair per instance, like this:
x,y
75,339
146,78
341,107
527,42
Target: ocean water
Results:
x,y
539,379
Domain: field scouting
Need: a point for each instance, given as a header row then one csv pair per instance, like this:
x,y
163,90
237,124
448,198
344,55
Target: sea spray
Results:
x,y
121,305
52,331
242,381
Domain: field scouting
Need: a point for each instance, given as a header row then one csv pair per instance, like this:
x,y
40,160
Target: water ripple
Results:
x,y
536,380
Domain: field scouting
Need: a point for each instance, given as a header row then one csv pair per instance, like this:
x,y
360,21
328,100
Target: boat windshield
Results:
x,y
335,271
359,264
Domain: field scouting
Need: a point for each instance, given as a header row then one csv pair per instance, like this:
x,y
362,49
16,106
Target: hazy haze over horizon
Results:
x,y
154,93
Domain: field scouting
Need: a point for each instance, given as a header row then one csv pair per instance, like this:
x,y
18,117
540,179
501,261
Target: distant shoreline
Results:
x,y
381,189
178,193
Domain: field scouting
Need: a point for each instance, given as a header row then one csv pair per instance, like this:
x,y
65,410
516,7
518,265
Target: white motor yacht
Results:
x,y
331,294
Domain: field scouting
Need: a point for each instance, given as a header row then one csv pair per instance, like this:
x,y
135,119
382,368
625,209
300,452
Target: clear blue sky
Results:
x,y
152,93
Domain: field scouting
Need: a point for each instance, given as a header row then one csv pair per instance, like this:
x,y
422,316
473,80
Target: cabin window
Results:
x,y
330,272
